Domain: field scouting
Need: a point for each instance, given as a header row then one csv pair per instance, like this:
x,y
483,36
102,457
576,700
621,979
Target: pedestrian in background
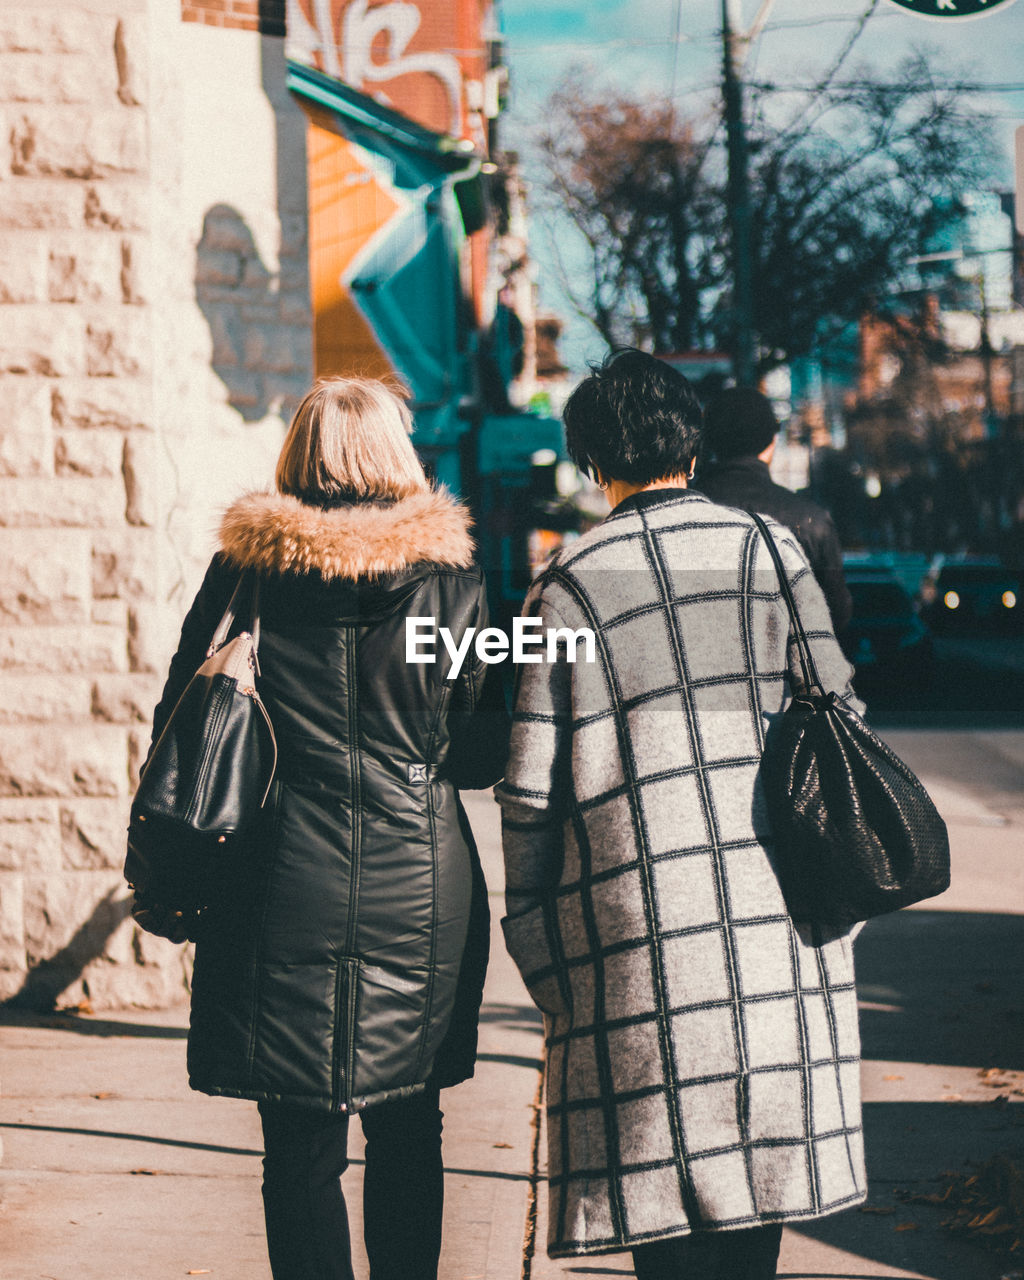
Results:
x,y
701,1053
339,965
739,438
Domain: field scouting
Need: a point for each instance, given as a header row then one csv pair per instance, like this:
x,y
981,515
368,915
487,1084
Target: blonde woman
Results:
x,y
340,966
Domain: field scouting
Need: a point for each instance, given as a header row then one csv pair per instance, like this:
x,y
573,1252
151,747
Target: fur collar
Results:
x,y
274,533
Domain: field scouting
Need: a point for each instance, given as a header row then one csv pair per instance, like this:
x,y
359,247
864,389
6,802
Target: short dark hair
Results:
x,y
740,422
634,418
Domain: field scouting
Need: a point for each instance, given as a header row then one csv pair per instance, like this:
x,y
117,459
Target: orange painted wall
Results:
x,y
347,202
347,206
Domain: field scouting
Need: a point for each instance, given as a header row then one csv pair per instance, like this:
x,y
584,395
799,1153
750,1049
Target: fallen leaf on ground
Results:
x,y
936,1197
985,1219
892,1077
105,1094
82,1007
987,1206
906,1226
502,1146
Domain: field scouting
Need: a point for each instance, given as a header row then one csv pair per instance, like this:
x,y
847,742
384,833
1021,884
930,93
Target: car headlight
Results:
x,y
1009,600
951,600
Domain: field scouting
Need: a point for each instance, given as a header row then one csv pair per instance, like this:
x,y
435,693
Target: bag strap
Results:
x,y
227,621
810,671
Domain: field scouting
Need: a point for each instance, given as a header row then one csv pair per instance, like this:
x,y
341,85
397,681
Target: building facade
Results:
x,y
204,205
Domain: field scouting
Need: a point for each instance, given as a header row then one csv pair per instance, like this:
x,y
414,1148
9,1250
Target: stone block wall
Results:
x,y
119,435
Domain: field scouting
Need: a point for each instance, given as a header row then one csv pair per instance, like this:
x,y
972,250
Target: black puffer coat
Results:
x,y
747,483
341,962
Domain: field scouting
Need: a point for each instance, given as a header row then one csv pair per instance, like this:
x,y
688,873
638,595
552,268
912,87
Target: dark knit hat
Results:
x,y
739,422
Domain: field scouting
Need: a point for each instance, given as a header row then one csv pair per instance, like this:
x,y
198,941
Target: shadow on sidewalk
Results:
x,y
87,1025
134,1137
153,1140
517,1017
934,1137
940,988
943,987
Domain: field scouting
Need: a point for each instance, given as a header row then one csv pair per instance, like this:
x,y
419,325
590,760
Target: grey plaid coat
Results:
x,y
702,1054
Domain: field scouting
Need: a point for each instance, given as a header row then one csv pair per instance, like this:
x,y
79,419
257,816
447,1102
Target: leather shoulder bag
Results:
x,y
206,779
856,833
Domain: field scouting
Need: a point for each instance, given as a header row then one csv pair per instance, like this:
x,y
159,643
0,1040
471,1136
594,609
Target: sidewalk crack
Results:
x,y
530,1230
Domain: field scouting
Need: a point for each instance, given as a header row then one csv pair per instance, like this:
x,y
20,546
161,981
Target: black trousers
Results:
x,y
752,1254
306,1152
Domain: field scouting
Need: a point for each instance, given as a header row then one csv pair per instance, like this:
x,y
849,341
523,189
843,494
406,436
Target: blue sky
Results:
x,y
671,48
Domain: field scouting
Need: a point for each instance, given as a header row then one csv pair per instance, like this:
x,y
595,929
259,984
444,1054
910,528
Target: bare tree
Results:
x,y
843,202
628,174
841,192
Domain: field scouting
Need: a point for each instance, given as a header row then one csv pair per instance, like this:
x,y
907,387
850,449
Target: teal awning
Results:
x,y
508,443
359,112
409,284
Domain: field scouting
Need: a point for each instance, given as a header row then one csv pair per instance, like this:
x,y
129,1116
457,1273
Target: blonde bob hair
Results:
x,y
349,441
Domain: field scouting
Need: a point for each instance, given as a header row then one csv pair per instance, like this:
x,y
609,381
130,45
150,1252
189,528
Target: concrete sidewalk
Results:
x,y
113,1169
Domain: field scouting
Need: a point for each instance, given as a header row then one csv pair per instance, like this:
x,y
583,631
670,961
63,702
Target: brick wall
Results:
x,y
266,16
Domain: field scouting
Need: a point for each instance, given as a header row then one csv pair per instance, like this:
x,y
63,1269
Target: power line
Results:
x,y
829,77
676,41
962,86
556,46
789,24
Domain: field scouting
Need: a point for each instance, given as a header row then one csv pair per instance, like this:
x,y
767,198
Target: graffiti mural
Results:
x,y
426,59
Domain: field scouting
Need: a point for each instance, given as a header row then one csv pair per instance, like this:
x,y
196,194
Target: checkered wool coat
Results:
x,y
702,1053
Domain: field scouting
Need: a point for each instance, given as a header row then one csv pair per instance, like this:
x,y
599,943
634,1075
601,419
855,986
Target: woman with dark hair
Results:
x,y
340,961
702,1050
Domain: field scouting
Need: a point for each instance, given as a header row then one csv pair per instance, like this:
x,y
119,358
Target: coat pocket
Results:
x,y
532,941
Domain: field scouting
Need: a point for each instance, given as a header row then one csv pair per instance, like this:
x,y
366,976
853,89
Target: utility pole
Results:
x,y
733,41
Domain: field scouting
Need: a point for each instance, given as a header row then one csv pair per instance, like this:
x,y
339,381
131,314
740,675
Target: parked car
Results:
x,y
907,567
971,593
887,640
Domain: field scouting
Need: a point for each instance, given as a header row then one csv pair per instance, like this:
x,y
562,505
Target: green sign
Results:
x,y
950,8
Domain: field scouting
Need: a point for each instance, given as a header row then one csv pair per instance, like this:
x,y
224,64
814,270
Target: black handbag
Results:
x,y
856,834
206,779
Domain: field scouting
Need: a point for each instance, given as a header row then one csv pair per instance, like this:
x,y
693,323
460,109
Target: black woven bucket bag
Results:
x,y
856,834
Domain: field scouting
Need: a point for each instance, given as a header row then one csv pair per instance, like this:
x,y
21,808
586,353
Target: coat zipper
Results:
x,y
355,786
345,1002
